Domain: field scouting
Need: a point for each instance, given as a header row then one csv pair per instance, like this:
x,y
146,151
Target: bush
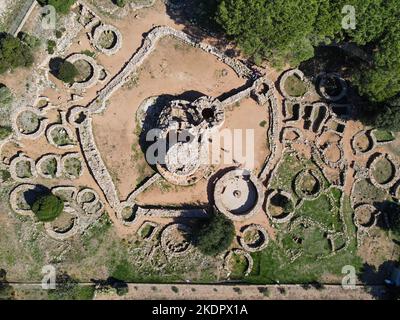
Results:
x,y
61,6
29,40
216,235
69,289
4,132
67,72
51,44
14,53
47,207
388,119
6,96
120,3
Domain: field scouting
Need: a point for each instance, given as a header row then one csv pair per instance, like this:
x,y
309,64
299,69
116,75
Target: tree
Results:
x,y
120,3
13,53
215,235
382,81
61,6
6,96
67,72
47,207
388,119
68,288
5,132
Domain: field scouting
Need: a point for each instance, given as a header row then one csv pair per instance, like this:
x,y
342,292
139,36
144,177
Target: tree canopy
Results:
x,y
47,207
287,31
216,235
67,72
13,53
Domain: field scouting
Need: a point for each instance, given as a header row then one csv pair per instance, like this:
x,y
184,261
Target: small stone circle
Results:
x,y
14,164
43,159
322,89
365,216
43,122
117,44
238,195
395,175
95,75
245,254
258,244
173,240
283,218
299,181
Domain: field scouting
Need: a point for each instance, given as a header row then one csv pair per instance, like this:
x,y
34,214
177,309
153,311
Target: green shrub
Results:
x,y
67,72
120,3
69,289
14,53
216,235
50,46
4,132
6,96
29,40
61,6
47,207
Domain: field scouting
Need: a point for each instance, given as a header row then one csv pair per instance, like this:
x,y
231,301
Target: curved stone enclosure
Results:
x,y
117,42
254,245
95,71
245,254
43,122
323,78
238,194
284,217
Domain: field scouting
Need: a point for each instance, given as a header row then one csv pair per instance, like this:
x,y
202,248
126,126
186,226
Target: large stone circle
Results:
x,y
238,194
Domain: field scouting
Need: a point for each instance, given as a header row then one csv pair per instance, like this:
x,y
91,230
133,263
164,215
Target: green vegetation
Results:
x,y
120,3
67,72
47,207
5,132
216,235
295,87
51,44
14,53
388,118
61,6
31,41
383,136
69,289
288,31
6,96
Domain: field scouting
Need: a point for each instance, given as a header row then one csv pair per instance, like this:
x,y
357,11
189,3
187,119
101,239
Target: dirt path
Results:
x,y
242,292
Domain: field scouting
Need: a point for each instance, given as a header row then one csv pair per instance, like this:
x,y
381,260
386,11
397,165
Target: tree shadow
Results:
x,y
30,196
375,280
54,65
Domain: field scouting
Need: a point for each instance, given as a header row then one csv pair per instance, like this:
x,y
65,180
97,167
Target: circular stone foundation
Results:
x,y
280,206
238,256
308,184
174,239
253,238
107,39
362,142
332,86
238,194
383,172
365,216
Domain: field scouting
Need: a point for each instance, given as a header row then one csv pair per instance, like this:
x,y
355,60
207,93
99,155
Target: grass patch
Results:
x,y
383,135
295,87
